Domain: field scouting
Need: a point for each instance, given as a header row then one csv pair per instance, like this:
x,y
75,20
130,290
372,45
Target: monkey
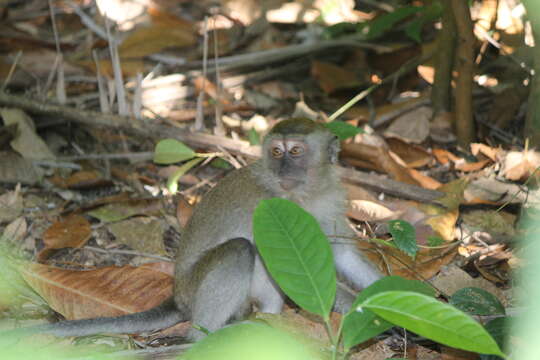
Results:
x,y
219,276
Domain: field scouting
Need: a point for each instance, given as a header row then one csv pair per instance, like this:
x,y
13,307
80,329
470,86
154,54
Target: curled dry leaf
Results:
x,y
520,165
109,291
11,205
27,142
70,232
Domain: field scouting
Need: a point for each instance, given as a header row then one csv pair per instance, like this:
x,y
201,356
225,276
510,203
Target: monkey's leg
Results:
x,y
265,291
224,275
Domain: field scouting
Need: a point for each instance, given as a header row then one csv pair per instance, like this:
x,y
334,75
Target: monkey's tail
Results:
x,y
159,317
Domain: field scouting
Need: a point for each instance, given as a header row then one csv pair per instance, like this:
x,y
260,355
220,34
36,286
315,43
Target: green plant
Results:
x,y
282,231
170,151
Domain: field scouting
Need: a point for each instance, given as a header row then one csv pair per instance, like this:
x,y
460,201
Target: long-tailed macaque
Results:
x,y
218,274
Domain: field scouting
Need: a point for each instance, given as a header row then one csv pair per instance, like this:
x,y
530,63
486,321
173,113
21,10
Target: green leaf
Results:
x,y
220,163
172,182
248,341
404,236
342,129
432,319
433,240
476,301
384,23
170,151
499,329
360,326
429,13
254,137
297,254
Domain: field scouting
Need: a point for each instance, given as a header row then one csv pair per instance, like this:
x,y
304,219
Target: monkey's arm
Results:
x,y
159,317
352,265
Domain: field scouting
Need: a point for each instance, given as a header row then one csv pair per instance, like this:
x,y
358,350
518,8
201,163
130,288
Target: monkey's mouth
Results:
x,y
288,184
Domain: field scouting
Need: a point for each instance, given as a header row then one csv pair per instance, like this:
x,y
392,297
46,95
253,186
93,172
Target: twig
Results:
x,y
219,129
11,70
127,252
88,21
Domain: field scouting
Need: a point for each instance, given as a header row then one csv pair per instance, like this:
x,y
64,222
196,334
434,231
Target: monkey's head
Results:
x,y
297,151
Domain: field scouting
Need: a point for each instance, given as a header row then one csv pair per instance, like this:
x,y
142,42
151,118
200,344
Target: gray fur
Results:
x,y
218,274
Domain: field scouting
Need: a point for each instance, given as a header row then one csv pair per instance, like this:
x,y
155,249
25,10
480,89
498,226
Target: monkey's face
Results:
x,y
289,161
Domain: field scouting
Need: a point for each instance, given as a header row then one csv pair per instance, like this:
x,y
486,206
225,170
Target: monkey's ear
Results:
x,y
333,150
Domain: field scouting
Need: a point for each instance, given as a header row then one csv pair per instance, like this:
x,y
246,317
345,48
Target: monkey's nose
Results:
x,y
289,184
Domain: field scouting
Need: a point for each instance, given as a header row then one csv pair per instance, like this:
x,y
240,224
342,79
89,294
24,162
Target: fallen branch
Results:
x,y
238,147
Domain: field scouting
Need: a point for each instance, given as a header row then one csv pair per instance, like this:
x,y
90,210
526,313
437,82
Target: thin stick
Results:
x,y
127,252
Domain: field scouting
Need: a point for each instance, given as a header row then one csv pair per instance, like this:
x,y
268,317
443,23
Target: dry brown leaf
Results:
x,y
412,126
16,169
473,166
72,232
426,264
414,156
332,77
109,291
26,142
125,209
202,84
520,165
11,204
378,158
444,156
16,230
487,151
143,234
81,180
130,67
425,181
184,210
150,40
364,210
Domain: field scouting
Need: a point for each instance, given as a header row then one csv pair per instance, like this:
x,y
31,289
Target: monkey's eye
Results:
x,y
277,152
296,151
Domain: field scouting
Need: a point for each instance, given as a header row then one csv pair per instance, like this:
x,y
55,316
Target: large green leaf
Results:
x,y
476,301
247,341
432,319
170,151
296,253
360,326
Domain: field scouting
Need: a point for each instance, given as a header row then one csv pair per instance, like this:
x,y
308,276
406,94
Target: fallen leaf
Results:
x,y
16,169
413,155
141,233
520,165
473,166
413,126
109,291
491,153
126,209
71,232
427,263
363,210
332,77
16,230
444,156
82,180
150,40
11,205
27,142
184,210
